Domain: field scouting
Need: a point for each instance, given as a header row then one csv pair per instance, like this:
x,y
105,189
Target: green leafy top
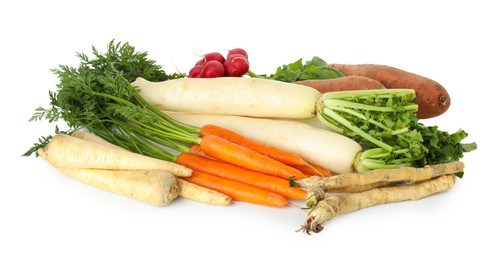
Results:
x,y
316,68
384,122
98,95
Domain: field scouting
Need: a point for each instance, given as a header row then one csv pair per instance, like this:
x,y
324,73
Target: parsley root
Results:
x,y
317,186
336,205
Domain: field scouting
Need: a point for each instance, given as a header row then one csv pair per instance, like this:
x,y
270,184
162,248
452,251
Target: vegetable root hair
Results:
x,y
336,205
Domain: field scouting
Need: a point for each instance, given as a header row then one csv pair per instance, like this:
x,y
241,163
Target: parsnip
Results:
x,y
198,193
232,96
65,151
158,188
187,190
315,145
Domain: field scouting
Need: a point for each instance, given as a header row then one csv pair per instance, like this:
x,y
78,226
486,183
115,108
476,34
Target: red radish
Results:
x,y
214,56
212,69
236,65
238,51
195,72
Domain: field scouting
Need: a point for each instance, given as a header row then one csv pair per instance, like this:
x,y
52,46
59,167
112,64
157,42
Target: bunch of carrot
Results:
x,y
245,170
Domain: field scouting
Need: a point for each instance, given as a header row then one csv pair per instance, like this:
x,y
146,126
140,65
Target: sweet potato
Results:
x,y
342,83
432,98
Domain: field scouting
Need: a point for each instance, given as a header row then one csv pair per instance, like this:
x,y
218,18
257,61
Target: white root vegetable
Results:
x,y
65,151
158,188
318,146
198,193
232,96
187,190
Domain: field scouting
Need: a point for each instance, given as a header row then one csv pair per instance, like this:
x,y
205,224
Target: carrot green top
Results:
x,y
98,95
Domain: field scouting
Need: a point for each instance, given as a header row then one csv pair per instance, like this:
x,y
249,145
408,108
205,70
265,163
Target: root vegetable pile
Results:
x,y
224,133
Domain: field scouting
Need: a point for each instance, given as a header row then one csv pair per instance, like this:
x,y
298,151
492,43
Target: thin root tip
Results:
x,y
311,226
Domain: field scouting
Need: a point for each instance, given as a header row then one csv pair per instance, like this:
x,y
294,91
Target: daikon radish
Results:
x,y
315,145
232,96
65,151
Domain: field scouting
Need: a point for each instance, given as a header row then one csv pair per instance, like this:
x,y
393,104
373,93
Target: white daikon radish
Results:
x,y
240,96
322,147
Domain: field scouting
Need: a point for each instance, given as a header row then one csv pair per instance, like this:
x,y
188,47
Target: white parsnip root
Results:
x,y
241,96
198,193
158,188
187,190
336,205
65,151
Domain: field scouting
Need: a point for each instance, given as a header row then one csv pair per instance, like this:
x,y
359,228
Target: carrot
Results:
x,y
314,170
328,149
65,151
432,98
235,173
237,190
280,155
196,149
272,152
342,83
233,153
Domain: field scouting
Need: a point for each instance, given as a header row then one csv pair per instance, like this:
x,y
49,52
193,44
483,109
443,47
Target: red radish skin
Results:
x,y
214,56
212,69
238,51
236,65
195,72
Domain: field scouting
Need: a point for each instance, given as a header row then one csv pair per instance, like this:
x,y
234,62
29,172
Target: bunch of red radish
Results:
x,y
214,65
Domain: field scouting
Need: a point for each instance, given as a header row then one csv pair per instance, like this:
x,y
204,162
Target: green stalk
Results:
x,y
341,120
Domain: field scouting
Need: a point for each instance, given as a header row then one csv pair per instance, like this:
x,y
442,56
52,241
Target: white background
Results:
x,y
47,215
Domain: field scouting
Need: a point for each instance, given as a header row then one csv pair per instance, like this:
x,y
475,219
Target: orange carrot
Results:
x,y
237,190
272,152
233,153
236,173
314,170
196,149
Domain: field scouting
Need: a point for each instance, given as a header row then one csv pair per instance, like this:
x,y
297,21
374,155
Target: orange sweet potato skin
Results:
x,y
432,98
342,84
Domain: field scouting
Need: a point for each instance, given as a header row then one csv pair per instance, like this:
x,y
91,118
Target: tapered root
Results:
x,y
336,205
316,186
